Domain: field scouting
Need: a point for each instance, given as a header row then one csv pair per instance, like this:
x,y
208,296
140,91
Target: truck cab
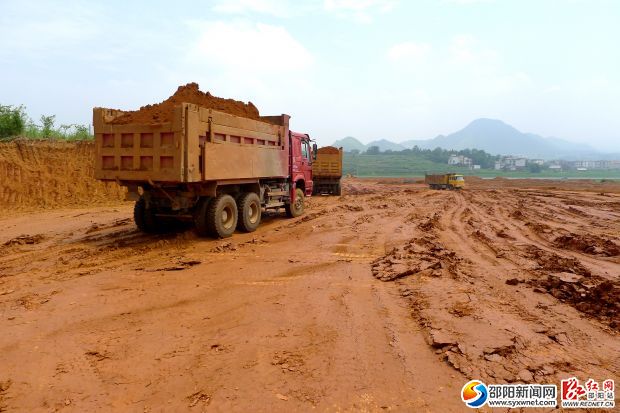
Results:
x,y
302,154
456,181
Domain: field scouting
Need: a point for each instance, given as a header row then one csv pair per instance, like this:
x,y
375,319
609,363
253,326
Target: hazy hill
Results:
x,y
385,145
493,136
497,137
350,143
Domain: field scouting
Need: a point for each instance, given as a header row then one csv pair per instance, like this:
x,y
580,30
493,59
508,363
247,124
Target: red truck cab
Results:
x,y
302,153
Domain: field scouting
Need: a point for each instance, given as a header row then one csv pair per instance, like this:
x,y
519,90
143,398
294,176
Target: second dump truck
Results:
x,y
213,168
445,181
327,171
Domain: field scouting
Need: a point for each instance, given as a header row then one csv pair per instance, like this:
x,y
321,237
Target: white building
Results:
x,y
511,163
459,160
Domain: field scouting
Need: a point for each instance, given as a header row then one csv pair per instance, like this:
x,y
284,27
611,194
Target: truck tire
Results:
x,y
249,212
337,189
143,217
296,209
200,217
221,216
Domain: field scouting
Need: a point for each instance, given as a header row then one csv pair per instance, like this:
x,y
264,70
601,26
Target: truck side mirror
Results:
x,y
314,149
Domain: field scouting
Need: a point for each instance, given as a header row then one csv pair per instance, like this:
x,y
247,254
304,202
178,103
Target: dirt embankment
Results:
x,y
51,174
190,93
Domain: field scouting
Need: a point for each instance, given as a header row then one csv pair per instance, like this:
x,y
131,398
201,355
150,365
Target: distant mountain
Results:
x,y
497,137
493,136
385,145
349,144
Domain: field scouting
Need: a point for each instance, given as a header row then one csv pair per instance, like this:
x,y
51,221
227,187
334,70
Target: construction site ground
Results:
x,y
388,298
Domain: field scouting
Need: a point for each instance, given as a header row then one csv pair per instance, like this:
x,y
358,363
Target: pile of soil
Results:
x,y
419,256
588,244
550,261
328,150
51,174
190,93
601,301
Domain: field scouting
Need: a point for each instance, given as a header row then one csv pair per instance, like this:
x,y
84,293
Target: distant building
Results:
x,y
510,163
594,164
555,167
475,166
459,160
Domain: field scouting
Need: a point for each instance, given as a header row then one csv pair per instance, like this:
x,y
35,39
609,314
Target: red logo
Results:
x,y
572,390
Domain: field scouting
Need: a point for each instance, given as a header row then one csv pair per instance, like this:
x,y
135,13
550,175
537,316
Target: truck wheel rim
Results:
x,y
253,213
227,217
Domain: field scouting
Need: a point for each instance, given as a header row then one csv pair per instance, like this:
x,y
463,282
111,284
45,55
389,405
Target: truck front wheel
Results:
x,y
296,208
249,212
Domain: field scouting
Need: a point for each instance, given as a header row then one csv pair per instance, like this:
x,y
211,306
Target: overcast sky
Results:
x,y
365,68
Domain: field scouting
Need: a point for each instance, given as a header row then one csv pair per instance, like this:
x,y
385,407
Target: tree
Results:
x,y
534,167
12,121
47,125
373,150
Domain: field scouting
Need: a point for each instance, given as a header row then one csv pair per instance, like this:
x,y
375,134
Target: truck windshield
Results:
x,y
304,150
459,178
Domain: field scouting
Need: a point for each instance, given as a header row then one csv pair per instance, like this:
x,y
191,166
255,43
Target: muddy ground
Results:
x,y
390,297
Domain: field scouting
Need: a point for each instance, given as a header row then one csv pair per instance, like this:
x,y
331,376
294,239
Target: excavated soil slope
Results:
x,y
162,112
51,174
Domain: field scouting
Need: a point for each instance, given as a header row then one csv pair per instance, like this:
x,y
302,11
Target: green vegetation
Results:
x,y
410,164
12,121
15,123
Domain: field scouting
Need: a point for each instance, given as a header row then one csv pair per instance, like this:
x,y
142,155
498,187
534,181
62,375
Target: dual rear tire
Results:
x,y
220,216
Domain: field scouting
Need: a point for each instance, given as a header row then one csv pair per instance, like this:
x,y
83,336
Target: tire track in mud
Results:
x,y
290,317
541,236
538,344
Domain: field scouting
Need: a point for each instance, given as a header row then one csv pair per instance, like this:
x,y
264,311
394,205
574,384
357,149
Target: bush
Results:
x,y
534,168
47,123
12,121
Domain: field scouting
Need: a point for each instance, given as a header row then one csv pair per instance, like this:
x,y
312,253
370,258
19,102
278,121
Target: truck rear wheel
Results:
x,y
249,212
221,216
143,217
295,209
337,189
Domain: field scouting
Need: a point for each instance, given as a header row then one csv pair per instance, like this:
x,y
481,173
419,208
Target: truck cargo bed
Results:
x,y
198,145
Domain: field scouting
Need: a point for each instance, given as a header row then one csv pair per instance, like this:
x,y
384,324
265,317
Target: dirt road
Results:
x,y
388,298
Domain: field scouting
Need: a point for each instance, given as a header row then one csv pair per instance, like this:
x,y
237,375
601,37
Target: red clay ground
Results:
x,y
390,297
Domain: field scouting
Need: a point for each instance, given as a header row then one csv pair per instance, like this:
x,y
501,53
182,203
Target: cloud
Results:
x,y
252,47
278,8
44,29
408,51
465,2
362,11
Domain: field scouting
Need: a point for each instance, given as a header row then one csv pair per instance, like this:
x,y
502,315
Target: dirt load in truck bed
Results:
x,y
190,93
329,150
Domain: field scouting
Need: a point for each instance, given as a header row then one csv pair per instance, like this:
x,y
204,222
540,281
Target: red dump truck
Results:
x,y
213,168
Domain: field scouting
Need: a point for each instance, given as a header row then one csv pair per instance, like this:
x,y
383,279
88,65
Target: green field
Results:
x,y
411,165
